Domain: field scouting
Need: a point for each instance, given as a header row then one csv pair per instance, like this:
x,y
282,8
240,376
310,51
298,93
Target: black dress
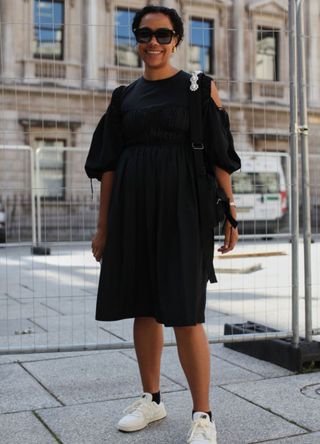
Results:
x,y
153,263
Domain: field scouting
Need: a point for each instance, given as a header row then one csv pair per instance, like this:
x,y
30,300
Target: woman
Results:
x,y
148,230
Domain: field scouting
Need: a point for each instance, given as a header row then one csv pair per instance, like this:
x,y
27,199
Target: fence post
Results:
x,y
33,197
305,175
294,172
38,196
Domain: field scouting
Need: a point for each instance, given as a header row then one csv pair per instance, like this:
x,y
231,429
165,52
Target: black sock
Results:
x,y
209,413
156,397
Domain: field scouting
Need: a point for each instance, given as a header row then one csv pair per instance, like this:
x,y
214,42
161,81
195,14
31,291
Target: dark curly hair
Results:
x,y
170,12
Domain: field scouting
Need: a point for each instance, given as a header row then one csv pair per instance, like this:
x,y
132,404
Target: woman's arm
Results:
x,y
224,181
99,240
215,95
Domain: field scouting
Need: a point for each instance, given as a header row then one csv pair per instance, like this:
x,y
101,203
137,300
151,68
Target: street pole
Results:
x,y
305,176
294,173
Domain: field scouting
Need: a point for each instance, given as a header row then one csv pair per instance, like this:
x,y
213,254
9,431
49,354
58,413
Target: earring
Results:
x,y
174,49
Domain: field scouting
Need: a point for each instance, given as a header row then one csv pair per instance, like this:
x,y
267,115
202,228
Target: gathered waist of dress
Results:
x,y
155,145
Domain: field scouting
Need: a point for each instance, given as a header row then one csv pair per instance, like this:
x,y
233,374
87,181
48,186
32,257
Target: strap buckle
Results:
x,y
197,146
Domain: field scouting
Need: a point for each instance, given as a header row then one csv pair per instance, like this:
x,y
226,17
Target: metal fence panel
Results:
x,y
47,301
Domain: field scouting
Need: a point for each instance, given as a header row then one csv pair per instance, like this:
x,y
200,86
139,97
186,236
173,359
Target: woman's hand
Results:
x,y
230,236
98,244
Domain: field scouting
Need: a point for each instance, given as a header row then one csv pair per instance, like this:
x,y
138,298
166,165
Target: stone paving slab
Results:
x,y
91,378
24,428
26,309
308,438
67,324
247,362
238,421
257,305
74,305
263,368
47,286
13,292
20,391
64,330
30,357
222,372
47,306
123,329
10,326
293,397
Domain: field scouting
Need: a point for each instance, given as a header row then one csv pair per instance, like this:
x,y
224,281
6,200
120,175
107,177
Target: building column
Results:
x,y
90,73
237,52
238,72
313,52
169,3
179,57
7,62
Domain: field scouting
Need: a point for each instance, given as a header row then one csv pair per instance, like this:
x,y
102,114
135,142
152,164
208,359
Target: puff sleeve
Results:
x,y
106,141
218,139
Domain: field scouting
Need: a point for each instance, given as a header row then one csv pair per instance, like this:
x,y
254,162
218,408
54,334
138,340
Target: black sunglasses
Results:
x,y
162,35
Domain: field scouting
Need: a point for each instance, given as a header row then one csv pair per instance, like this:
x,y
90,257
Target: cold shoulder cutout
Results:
x,y
218,139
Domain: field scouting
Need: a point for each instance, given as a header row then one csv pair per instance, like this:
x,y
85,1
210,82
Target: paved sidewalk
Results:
x,y
77,397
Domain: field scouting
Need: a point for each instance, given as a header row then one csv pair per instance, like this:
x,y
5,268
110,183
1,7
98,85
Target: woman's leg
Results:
x,y
194,355
148,341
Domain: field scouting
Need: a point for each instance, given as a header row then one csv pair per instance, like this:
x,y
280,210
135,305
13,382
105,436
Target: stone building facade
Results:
x,y
60,61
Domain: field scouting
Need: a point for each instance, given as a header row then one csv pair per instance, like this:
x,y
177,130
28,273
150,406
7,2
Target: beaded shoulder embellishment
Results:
x,y
194,80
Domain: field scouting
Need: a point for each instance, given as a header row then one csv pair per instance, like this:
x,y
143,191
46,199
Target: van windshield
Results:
x,y
255,183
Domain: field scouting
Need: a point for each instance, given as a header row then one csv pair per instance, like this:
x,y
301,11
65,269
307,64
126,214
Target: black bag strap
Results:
x,y
196,130
196,133
197,142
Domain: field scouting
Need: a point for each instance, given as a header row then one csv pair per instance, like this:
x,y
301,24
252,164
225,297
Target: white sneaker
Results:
x,y
203,431
141,413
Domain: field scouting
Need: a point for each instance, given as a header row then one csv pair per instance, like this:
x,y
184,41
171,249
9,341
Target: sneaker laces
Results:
x,y
140,406
201,428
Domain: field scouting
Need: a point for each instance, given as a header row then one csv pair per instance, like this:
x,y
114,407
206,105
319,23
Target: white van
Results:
x,y
260,191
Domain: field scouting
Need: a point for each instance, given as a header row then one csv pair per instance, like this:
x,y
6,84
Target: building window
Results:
x,y
51,168
48,29
201,52
267,54
125,53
